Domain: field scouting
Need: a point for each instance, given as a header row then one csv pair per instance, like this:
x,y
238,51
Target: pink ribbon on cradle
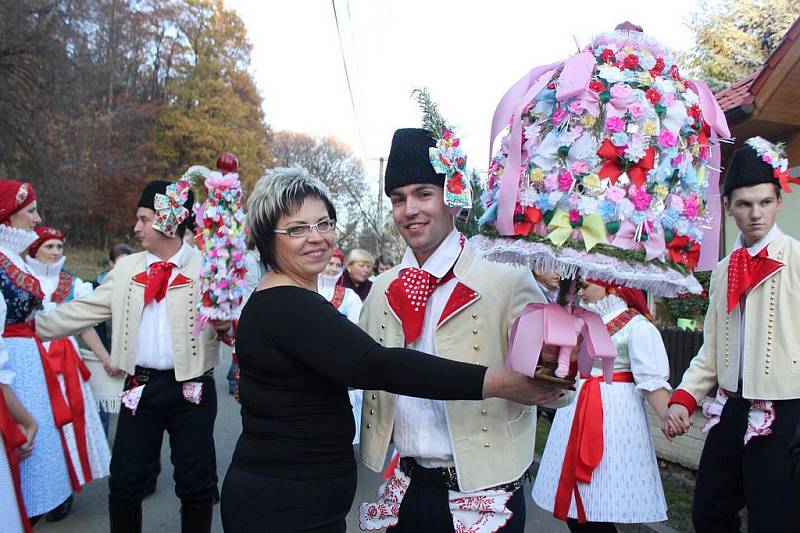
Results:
x,y
554,325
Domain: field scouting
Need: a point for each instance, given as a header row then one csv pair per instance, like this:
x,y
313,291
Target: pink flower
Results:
x,y
667,139
447,134
636,111
576,107
620,90
559,115
641,200
615,124
574,216
691,207
615,194
565,181
669,99
579,167
551,182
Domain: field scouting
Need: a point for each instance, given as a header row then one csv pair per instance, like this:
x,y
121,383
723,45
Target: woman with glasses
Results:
x,y
293,467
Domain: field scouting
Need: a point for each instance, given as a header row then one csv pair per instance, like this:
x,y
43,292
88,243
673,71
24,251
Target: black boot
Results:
x,y
125,518
196,518
60,512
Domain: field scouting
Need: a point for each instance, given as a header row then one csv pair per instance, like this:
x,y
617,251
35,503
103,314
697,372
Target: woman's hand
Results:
x,y
29,428
504,383
111,371
677,422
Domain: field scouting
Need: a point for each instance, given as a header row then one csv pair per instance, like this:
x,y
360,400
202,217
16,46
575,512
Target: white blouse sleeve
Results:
x,y
6,376
649,361
81,288
352,304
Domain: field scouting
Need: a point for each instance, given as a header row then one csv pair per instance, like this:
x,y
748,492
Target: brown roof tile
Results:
x,y
738,93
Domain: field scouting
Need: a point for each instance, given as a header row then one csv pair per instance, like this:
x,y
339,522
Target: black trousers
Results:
x,y
732,475
137,446
426,509
251,502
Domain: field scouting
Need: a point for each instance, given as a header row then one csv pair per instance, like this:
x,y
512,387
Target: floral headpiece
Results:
x,y
169,208
22,193
774,155
447,157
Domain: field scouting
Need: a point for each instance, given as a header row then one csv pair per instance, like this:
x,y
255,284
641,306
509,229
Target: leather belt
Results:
x,y
733,395
444,477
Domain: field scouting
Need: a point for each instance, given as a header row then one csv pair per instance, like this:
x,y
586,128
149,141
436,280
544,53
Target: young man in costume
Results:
x,y
750,353
444,300
152,298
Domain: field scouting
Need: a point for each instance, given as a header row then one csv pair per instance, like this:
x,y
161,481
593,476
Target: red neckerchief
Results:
x,y
157,281
746,271
408,296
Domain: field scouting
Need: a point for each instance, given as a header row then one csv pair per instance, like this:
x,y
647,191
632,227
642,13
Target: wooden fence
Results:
x,y
681,346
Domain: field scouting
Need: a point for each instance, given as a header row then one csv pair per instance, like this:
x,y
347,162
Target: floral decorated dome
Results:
x,y
608,169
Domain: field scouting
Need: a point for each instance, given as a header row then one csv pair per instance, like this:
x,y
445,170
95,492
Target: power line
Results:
x,y
349,86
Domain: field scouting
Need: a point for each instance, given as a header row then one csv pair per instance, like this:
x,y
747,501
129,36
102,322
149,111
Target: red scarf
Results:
x,y
13,438
408,296
157,281
746,271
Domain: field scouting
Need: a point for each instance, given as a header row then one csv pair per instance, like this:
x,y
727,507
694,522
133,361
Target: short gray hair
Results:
x,y
280,192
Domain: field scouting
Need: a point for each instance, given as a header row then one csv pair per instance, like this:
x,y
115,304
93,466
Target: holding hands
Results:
x,y
676,422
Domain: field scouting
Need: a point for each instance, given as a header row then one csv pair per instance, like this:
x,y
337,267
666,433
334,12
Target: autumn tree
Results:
x,y
735,37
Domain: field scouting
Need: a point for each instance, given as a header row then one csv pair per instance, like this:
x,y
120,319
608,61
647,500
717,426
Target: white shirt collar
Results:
x,y
45,270
762,243
179,259
442,259
16,240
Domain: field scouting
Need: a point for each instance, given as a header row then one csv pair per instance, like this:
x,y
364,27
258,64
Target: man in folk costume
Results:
x,y
444,300
750,352
152,298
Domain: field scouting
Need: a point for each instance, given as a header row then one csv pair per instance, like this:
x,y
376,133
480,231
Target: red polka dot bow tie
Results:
x,y
746,271
157,281
409,294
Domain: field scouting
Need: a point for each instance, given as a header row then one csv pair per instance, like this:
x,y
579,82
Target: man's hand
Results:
x,y
224,328
504,383
111,371
29,430
677,422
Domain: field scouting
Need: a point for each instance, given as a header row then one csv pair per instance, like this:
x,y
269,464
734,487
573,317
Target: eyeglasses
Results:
x,y
304,230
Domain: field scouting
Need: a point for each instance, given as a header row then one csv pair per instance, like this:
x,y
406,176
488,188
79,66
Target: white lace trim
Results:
x,y
609,307
45,270
648,277
16,240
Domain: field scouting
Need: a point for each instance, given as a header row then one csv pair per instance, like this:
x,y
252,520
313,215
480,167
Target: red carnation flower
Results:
x,y
631,61
597,86
551,86
455,184
653,96
673,72
695,112
608,56
659,64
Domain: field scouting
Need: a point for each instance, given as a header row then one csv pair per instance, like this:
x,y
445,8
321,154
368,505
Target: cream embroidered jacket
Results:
x,y
771,351
492,440
121,298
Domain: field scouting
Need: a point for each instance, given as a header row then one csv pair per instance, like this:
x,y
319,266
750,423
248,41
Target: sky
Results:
x,y
467,53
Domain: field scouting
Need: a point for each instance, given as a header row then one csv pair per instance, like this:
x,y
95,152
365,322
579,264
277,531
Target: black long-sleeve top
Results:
x,y
297,356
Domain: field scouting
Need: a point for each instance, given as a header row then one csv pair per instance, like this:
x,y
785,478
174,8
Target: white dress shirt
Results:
x,y
421,429
757,246
155,342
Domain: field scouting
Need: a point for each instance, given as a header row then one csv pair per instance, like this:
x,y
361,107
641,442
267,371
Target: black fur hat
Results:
x,y
746,169
409,160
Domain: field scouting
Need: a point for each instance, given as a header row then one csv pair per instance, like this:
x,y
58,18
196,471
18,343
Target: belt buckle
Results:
x,y
450,478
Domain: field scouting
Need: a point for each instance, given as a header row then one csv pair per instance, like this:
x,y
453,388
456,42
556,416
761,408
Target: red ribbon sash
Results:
x,y
585,445
13,438
67,362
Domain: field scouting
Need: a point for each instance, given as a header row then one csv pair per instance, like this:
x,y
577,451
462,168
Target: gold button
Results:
x,y
766,371
369,426
486,444
483,412
385,312
484,429
372,411
474,315
474,331
794,360
380,339
383,327
374,397
476,347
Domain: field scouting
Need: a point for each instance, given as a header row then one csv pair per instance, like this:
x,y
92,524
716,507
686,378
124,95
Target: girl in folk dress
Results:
x,y
44,476
89,455
17,433
599,465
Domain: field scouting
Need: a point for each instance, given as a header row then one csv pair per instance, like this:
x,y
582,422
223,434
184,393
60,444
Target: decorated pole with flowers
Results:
x,y
608,170
220,219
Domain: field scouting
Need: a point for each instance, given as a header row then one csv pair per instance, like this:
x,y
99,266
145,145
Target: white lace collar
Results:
x,y
45,270
16,240
608,307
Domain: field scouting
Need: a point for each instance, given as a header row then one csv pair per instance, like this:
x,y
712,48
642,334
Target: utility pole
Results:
x,y
380,205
